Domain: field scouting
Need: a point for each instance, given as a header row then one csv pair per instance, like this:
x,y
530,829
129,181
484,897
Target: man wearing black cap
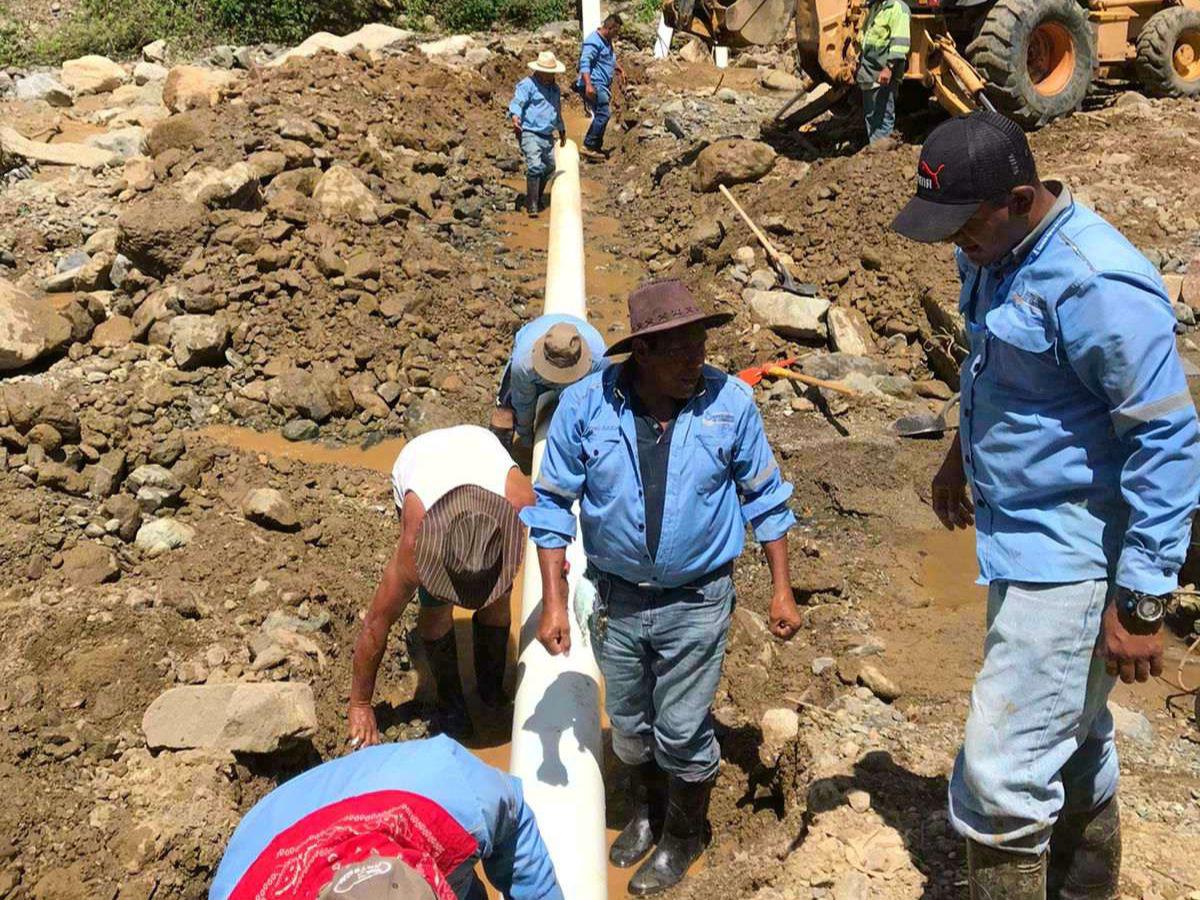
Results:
x,y
1078,440
669,462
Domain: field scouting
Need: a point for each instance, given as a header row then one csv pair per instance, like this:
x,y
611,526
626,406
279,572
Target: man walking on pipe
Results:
x,y
598,70
1078,439
669,462
457,492
536,112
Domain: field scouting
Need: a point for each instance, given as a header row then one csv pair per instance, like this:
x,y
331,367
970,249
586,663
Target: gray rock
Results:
x,y
148,72
792,317
120,271
836,366
242,718
878,683
42,86
121,142
1132,724
822,664
270,509
76,259
160,535
155,52
849,331
301,430
427,415
155,476
199,341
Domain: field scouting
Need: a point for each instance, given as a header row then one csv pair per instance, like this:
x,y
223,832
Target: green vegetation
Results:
x,y
119,28
646,10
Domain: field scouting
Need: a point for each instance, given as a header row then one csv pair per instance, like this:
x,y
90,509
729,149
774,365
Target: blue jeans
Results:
x,y
538,150
601,113
879,110
1039,737
660,651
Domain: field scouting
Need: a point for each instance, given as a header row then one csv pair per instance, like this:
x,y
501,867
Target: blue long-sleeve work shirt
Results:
x,y
538,106
339,803
1079,435
721,477
526,385
598,60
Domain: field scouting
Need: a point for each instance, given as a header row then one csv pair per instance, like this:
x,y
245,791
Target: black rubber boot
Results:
x,y
451,716
996,874
685,834
491,657
648,790
1085,855
532,195
543,193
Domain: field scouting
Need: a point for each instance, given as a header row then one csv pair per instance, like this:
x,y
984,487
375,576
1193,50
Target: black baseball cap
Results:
x,y
964,162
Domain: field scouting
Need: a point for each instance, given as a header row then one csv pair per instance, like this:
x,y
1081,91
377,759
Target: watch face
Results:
x,y
1150,609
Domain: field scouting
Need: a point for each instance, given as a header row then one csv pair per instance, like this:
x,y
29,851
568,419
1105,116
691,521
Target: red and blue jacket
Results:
x,y
430,802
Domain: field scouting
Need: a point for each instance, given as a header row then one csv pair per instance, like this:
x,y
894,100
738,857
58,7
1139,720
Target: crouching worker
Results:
x,y
402,821
549,354
536,112
458,493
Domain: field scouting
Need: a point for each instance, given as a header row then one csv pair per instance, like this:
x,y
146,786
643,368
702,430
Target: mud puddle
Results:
x,y
378,456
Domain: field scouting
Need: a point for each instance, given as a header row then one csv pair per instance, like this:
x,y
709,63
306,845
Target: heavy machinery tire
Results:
x,y
1037,57
1168,53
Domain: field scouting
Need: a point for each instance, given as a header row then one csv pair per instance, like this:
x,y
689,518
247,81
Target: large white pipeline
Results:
x,y
556,740
589,15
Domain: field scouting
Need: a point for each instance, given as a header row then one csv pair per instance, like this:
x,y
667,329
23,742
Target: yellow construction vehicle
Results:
x,y
1034,59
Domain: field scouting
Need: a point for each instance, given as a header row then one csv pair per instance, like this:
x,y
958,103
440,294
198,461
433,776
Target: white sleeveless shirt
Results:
x,y
437,462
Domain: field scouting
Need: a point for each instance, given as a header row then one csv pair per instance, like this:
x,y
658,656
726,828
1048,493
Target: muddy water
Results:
x,y
493,733
948,569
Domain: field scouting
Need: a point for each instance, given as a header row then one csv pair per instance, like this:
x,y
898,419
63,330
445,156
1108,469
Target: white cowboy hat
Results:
x,y
547,62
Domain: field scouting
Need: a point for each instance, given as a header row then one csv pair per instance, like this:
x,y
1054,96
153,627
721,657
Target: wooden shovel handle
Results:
x,y
777,372
762,238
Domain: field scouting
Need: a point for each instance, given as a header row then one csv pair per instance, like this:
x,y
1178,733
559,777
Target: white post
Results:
x,y
556,739
662,38
721,57
591,16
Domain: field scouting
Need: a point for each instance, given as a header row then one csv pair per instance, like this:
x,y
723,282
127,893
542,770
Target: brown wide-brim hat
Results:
x,y
469,547
660,306
561,355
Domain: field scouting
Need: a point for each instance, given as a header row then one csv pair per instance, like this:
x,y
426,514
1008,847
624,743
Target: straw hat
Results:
x,y
561,356
548,62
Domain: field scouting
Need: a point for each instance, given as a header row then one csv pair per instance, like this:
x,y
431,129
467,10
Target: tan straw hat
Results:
x,y
377,878
561,356
469,547
548,62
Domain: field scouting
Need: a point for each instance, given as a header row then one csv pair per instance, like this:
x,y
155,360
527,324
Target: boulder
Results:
x,y
149,73
694,51
340,193
29,329
242,718
65,154
236,186
454,45
316,394
159,234
270,509
198,341
42,86
89,563
159,535
375,36
427,415
25,405
191,87
115,331
92,75
731,161
789,316
849,331
179,132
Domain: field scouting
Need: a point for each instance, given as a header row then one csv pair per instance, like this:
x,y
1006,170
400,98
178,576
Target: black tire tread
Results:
x,y
1155,49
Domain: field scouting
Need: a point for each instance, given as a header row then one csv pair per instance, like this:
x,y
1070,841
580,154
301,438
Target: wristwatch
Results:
x,y
1146,608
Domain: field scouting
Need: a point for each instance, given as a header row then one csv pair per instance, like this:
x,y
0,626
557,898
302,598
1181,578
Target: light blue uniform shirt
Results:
x,y
526,385
1079,435
597,58
484,801
721,477
538,106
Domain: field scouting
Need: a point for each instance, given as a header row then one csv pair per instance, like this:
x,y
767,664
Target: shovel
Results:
x,y
755,374
925,424
773,256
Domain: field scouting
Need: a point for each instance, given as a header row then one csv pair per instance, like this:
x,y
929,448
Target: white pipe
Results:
x,y
556,740
590,21
721,57
662,38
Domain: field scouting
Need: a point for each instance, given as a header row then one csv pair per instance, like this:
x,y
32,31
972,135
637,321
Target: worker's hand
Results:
x,y
1131,649
885,77
784,615
562,139
554,629
590,92
951,499
516,125
363,730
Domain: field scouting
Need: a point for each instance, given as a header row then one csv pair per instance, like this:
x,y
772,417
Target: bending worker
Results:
x,y
598,68
1078,441
404,821
536,112
457,492
669,462
550,353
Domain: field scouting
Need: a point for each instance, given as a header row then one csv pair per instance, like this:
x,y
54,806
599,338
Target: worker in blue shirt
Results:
x,y
549,353
598,68
536,113
404,820
669,463
1078,441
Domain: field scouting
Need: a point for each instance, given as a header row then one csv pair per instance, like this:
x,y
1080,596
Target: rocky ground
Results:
x,y
194,260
